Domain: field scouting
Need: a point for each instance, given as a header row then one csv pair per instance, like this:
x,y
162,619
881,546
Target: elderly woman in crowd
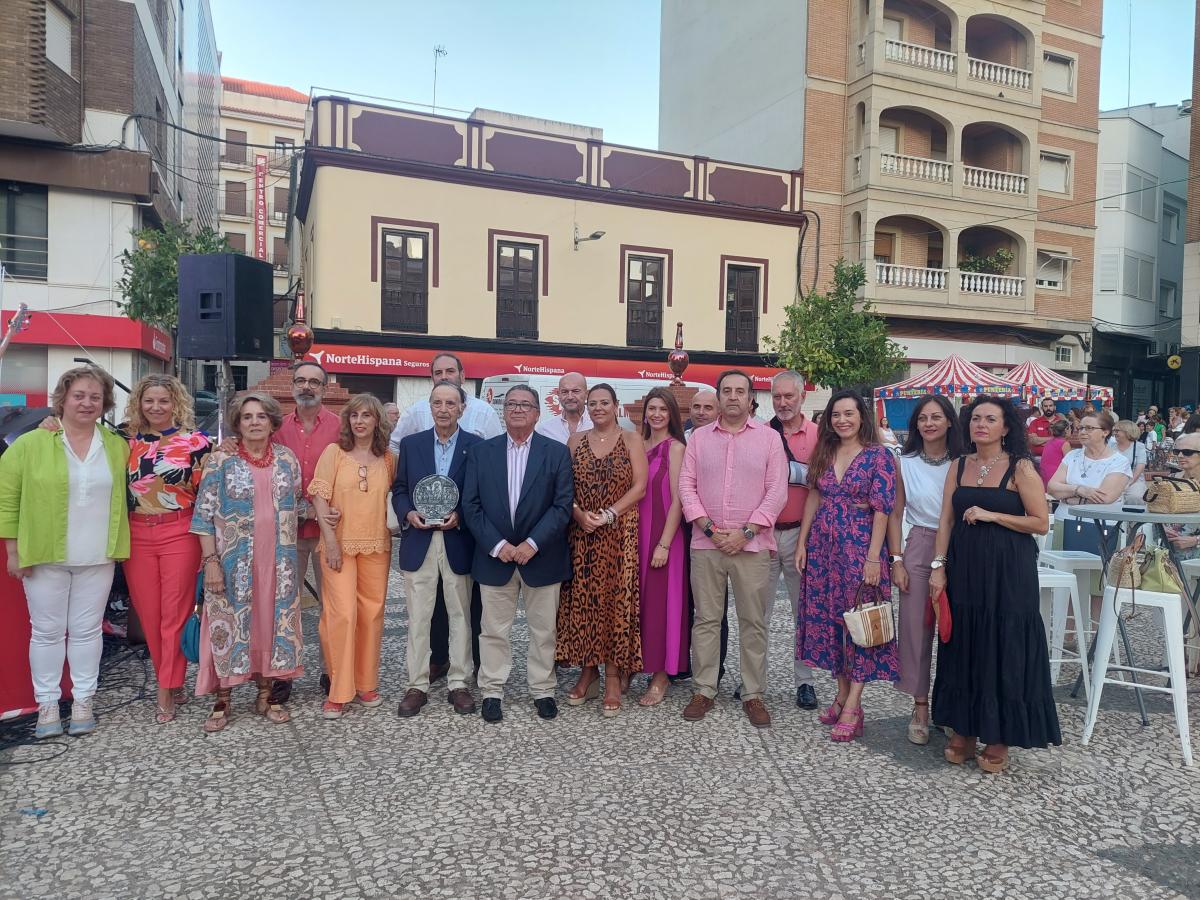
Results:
x,y
1185,539
354,476
1135,453
993,675
64,517
934,440
246,516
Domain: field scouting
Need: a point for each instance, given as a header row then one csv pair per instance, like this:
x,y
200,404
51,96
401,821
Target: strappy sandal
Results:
x,y
831,715
991,763
218,719
845,732
267,705
591,692
918,732
958,753
653,696
180,696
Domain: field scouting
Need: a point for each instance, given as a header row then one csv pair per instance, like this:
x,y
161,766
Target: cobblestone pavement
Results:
x,y
644,805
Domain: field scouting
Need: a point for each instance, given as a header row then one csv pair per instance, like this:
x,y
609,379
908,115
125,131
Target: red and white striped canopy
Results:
x,y
952,377
1038,381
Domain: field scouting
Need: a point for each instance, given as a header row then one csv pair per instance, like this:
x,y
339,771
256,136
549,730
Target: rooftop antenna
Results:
x,y
438,51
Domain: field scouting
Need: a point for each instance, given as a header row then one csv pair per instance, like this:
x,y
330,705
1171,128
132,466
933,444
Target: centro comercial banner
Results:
x,y
412,363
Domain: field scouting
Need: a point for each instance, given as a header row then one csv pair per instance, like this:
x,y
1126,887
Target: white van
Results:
x,y
629,390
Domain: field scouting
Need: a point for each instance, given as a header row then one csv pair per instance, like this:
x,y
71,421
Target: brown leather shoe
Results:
x,y
757,713
697,708
412,703
462,701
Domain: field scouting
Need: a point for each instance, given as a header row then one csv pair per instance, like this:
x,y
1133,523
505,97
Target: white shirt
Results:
x,y
478,418
518,461
555,427
923,488
89,493
1088,472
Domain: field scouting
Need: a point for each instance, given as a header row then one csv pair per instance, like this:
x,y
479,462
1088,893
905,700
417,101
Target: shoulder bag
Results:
x,y
870,624
189,639
1125,566
1168,494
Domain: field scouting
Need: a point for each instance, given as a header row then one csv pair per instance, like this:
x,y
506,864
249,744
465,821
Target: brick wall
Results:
x,y
824,141
1083,110
993,152
32,89
918,27
828,38
833,243
108,55
147,92
1082,183
1086,15
1075,303
63,100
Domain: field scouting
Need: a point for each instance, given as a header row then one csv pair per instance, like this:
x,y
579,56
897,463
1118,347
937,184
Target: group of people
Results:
x,y
623,545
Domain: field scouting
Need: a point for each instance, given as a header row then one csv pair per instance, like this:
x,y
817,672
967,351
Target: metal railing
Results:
x,y
910,277
993,180
916,167
920,56
999,285
997,73
25,256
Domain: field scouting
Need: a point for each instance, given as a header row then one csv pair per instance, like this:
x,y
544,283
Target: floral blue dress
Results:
x,y
837,549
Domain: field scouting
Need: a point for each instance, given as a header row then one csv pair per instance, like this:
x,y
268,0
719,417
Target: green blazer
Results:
x,y
33,496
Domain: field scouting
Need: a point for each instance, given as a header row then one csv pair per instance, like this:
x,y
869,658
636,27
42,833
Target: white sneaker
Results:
x,y
83,721
48,724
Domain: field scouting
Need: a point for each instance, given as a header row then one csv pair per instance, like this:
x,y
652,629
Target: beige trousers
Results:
x,y
420,592
750,574
495,648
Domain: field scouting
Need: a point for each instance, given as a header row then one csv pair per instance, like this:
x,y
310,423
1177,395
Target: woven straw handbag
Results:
x,y
1167,494
870,624
1125,566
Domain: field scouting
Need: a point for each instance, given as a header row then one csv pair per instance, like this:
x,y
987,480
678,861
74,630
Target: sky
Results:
x,y
589,64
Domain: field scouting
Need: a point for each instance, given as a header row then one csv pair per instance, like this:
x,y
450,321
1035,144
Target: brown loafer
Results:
x,y
757,713
697,708
462,701
412,703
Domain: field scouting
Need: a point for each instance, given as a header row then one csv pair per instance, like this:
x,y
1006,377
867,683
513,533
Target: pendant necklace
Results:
x,y
985,469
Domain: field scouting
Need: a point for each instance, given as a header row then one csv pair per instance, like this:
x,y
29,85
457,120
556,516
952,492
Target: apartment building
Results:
x,y
92,97
535,247
1189,374
951,148
261,126
1138,283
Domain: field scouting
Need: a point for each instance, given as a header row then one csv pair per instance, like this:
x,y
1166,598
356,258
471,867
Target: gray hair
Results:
x,y
793,375
537,401
462,395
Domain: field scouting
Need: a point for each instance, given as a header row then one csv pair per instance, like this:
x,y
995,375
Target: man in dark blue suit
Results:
x,y
433,555
517,503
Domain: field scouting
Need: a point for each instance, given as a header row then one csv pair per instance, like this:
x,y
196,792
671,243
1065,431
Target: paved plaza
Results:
x,y
644,805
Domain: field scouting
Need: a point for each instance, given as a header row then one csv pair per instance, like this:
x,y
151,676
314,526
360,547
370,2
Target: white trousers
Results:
x,y
66,611
784,563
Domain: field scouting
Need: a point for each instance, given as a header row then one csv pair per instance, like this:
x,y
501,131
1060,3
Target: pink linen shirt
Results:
x,y
308,447
734,478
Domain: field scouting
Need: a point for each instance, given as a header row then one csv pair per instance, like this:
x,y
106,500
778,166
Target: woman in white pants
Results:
x,y
64,518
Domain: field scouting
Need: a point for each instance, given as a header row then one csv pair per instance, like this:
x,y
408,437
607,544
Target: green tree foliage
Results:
x,y
833,338
149,285
996,264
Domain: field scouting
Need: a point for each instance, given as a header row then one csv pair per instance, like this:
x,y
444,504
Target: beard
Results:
x,y
308,401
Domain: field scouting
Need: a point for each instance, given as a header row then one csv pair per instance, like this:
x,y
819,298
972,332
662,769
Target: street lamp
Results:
x,y
594,236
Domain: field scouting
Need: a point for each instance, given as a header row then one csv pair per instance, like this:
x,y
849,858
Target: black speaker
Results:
x,y
225,307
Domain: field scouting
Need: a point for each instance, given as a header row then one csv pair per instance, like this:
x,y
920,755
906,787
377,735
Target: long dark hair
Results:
x,y
1015,443
674,419
827,439
914,443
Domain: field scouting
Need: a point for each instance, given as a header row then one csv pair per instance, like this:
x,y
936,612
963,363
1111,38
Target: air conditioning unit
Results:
x,y
1155,348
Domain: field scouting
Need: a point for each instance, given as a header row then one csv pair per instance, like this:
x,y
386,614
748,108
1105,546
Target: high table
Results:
x,y
1136,517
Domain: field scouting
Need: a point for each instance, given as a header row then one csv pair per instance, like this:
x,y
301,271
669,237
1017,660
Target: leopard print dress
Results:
x,y
598,612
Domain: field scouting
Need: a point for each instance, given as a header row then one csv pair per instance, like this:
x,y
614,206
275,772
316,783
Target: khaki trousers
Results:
x,y
495,648
784,563
750,574
420,591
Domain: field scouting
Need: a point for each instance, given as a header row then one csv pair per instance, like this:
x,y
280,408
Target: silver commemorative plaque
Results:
x,y
435,497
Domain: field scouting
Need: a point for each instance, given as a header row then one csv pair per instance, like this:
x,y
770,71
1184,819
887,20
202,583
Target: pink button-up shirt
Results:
x,y
308,447
735,478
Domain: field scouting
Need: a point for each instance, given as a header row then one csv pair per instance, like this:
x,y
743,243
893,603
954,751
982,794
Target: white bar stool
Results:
x,y
1060,596
1172,611
1074,562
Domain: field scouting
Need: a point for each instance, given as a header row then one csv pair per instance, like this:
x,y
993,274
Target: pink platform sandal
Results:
x,y
831,715
844,732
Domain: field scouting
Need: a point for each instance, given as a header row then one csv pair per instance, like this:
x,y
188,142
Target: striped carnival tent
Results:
x,y
952,377
1037,381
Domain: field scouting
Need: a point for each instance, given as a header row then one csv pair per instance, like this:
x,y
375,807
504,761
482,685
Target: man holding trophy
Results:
x,y
436,547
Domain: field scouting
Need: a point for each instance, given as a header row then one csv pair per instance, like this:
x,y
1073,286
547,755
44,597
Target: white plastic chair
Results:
x,y
1060,597
1172,611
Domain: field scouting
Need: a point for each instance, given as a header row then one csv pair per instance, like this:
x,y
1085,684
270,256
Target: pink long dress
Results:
x,y
665,631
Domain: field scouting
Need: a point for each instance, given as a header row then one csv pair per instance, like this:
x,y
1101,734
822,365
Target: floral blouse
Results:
x,y
164,470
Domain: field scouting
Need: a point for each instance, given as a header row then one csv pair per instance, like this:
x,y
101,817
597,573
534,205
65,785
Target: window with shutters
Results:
x,y
235,146
1141,194
644,285
1166,300
741,308
1054,173
1137,276
1058,73
279,253
404,304
1108,265
236,242
885,247
1051,271
235,198
517,290
280,206
58,38
1170,225
1112,186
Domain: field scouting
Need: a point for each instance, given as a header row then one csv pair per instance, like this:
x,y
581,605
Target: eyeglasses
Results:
x,y
309,382
362,478
1090,428
1187,453
519,405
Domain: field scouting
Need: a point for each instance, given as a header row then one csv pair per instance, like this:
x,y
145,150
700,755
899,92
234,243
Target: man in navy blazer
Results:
x,y
436,554
517,502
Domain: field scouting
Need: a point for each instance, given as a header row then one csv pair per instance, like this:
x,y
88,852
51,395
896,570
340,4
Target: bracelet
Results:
x,y
663,547
212,557
610,516
872,561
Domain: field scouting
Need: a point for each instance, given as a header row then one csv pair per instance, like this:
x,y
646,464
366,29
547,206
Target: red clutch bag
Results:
x,y
939,611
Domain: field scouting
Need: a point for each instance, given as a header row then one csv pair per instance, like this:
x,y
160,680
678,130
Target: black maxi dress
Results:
x,y
993,676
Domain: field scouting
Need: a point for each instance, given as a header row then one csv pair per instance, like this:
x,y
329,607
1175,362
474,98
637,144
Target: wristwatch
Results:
x,y
707,527
896,557
748,532
938,562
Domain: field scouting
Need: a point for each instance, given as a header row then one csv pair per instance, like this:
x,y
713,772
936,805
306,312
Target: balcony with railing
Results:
x,y
998,53
993,180
919,56
919,168
986,257
892,275
994,159
986,283
24,256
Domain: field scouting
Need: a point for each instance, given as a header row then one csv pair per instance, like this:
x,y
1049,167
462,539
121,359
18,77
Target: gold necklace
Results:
x,y
985,469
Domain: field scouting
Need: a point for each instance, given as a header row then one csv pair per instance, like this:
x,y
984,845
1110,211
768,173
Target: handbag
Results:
x,y
939,611
870,624
393,523
1168,494
189,640
1125,566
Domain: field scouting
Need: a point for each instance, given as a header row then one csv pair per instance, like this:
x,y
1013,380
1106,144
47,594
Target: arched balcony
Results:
x,y
913,145
995,158
919,34
909,253
989,262
998,52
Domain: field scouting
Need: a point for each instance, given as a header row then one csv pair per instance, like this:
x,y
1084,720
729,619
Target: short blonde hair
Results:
x,y
1128,429
181,402
69,377
270,406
